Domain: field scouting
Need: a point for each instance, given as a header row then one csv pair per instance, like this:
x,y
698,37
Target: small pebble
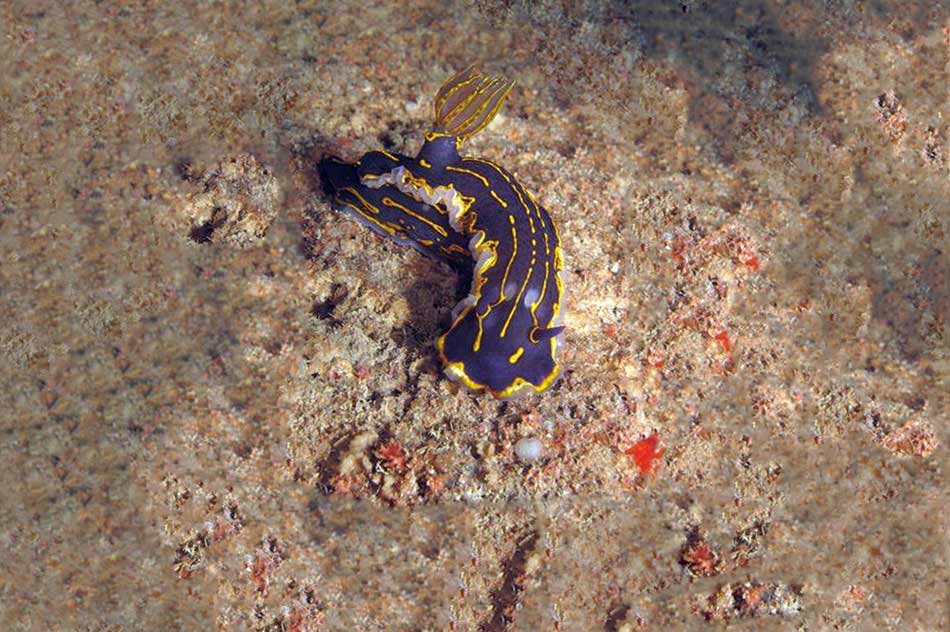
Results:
x,y
528,449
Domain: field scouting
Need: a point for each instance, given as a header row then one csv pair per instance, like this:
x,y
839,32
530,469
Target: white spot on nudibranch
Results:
x,y
531,296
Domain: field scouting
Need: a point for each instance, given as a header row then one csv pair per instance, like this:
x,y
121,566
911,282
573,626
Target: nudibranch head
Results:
x,y
361,192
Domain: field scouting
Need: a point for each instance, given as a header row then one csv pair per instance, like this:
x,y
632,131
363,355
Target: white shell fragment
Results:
x,y
529,449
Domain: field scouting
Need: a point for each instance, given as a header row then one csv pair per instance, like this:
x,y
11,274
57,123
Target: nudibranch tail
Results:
x,y
468,101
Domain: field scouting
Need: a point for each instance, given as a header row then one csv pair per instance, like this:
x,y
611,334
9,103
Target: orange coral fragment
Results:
x,y
267,558
915,438
700,559
392,454
646,453
723,338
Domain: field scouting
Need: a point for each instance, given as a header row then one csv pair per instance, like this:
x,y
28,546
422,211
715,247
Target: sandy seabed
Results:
x,y
222,406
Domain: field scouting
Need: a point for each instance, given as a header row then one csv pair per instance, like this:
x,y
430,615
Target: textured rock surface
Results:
x,y
222,405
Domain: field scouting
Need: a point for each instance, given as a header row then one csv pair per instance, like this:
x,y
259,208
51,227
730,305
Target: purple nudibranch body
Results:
x,y
505,334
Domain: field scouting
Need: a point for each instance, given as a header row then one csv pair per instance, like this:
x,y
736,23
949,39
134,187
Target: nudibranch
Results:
x,y
504,335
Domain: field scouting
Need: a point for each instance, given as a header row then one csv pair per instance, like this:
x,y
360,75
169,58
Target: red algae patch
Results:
x,y
646,453
699,557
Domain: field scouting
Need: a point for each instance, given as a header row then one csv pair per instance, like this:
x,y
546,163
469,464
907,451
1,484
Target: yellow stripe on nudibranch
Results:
x,y
516,188
369,205
369,218
480,177
387,201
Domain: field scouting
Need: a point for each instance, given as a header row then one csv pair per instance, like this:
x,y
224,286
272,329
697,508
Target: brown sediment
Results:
x,y
223,406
